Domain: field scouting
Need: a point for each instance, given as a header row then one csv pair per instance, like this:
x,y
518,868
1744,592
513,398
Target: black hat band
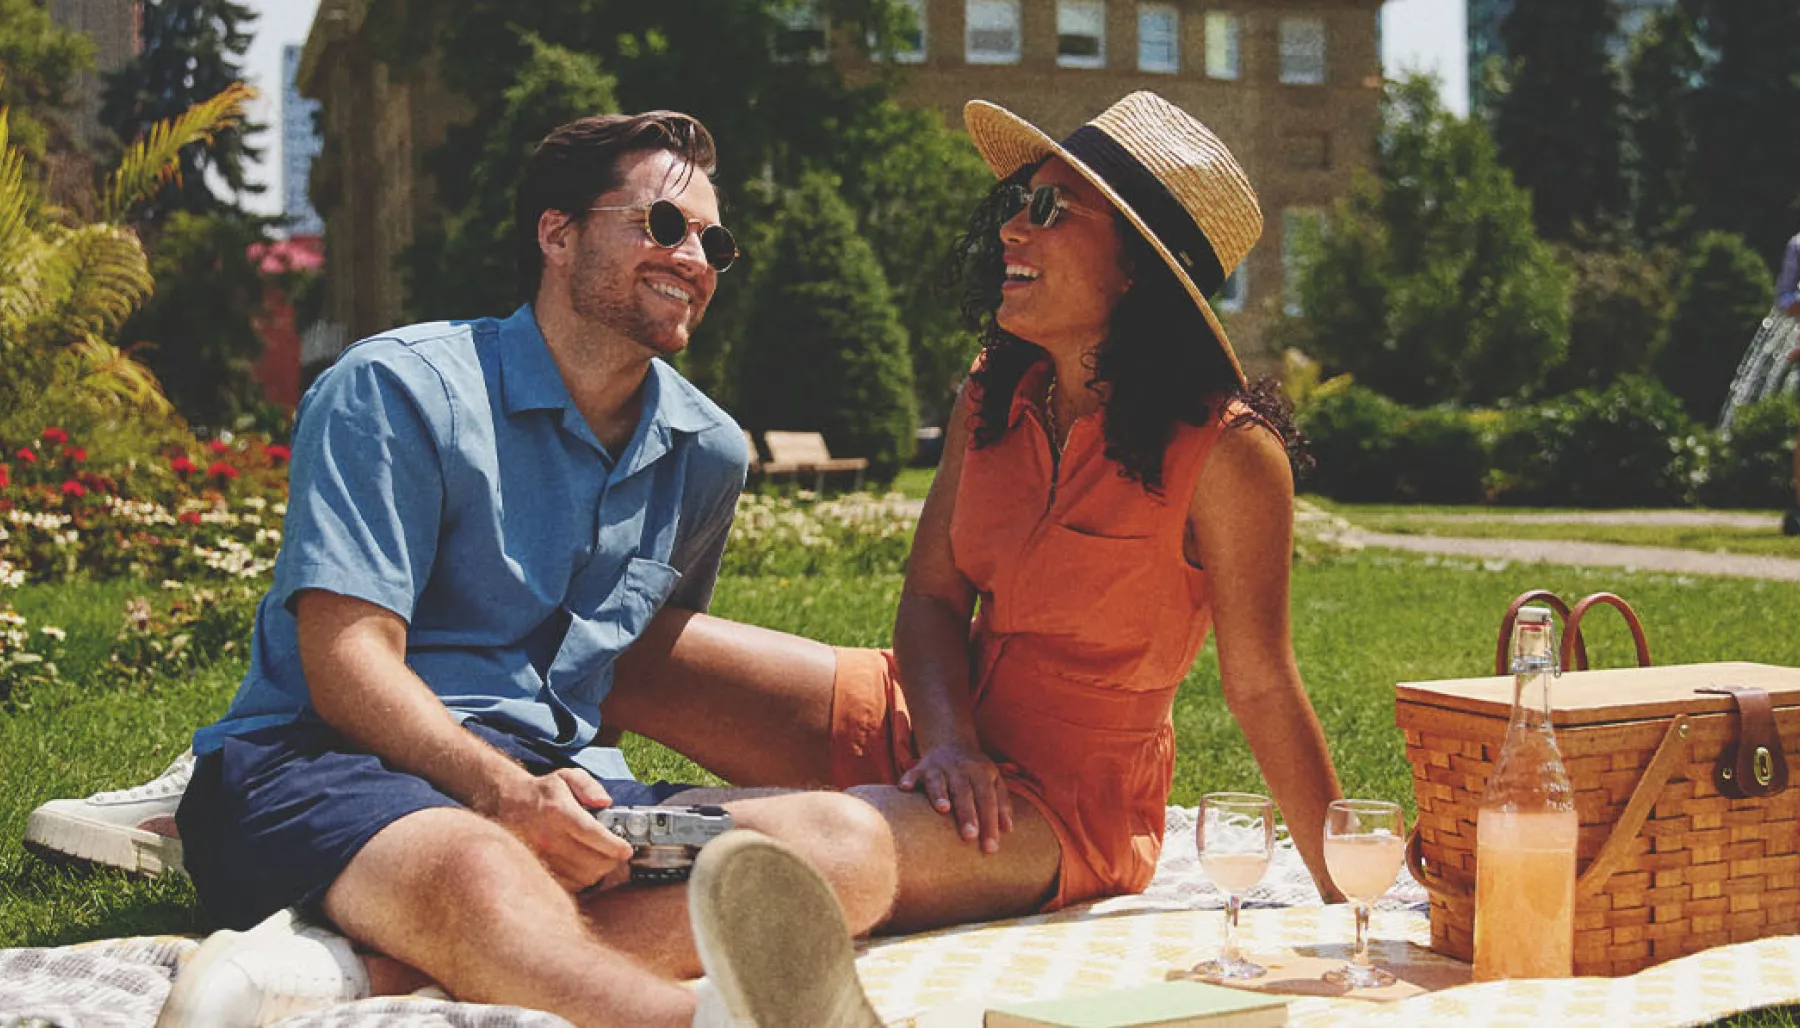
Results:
x,y
1139,187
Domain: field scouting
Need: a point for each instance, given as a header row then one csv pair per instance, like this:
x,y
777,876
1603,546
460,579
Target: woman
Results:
x,y
1109,490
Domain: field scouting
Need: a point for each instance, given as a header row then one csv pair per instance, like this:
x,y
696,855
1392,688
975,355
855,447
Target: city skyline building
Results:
x,y
300,143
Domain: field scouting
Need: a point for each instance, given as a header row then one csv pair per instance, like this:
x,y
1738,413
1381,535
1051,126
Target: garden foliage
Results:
x,y
1753,461
38,64
1722,296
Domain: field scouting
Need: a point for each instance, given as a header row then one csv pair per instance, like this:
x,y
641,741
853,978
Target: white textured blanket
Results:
x,y
121,983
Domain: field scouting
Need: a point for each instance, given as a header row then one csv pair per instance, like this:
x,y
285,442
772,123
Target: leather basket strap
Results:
x,y
1755,765
1573,646
1555,602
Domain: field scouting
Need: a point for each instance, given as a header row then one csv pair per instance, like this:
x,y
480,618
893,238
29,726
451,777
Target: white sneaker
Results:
x,y
133,829
772,939
282,967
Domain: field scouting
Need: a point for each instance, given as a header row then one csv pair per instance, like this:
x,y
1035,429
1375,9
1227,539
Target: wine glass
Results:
x,y
1365,841
1236,835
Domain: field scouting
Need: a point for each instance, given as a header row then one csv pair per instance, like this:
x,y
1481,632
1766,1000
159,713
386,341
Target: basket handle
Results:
x,y
1572,629
1454,888
1501,665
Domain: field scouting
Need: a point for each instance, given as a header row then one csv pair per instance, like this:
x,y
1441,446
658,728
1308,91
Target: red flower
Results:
x,y
75,453
55,436
189,517
218,446
279,453
182,465
74,488
27,454
5,476
220,469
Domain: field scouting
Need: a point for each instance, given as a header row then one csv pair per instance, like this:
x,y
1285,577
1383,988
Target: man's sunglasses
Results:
x,y
667,225
1044,205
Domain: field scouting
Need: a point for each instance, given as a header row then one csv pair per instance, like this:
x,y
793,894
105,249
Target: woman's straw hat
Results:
x,y
1167,173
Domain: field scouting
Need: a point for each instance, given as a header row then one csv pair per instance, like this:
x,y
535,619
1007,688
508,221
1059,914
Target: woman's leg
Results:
x,y
751,705
944,879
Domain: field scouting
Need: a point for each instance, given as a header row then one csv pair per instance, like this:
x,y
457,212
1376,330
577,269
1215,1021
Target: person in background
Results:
x,y
1787,300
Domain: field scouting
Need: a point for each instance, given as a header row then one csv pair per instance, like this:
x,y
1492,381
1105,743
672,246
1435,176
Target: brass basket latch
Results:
x,y
1755,763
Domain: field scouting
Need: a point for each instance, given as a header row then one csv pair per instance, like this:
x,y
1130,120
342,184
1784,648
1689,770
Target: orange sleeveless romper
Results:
x,y
1089,617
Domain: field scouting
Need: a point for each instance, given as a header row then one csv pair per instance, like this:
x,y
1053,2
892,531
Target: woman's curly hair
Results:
x,y
1160,361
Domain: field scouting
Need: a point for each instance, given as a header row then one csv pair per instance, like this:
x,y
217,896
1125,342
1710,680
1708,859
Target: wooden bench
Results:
x,y
798,453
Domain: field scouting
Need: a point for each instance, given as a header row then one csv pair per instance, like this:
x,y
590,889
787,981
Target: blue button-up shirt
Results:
x,y
442,471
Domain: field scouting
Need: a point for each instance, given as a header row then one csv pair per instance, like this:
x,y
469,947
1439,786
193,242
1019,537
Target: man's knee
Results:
x,y
846,838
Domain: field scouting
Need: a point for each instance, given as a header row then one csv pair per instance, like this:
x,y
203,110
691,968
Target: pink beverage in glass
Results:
x,y
1364,866
1526,829
1234,872
1525,894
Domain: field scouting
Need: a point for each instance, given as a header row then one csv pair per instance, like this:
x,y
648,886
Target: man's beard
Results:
x,y
601,296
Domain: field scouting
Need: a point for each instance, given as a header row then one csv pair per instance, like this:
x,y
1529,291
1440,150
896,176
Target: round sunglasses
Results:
x,y
1044,206
667,226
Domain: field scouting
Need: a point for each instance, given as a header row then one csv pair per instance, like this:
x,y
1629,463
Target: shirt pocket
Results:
x,y
1076,582
594,641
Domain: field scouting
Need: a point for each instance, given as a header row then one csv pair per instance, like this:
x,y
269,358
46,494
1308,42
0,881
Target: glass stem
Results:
x,y
1230,954
1362,935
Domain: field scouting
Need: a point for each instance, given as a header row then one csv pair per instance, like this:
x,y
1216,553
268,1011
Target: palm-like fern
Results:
x,y
66,287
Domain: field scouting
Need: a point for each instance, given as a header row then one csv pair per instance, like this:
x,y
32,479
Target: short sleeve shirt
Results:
x,y
443,472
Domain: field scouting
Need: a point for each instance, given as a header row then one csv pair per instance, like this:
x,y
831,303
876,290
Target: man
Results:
x,y
482,517
1787,300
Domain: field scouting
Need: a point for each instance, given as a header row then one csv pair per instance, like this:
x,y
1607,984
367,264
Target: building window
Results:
x,y
1159,38
909,43
1303,51
993,32
803,34
1299,234
1081,33
1231,295
1221,45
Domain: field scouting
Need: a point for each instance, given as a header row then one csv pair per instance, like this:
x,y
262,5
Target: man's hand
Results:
x,y
551,814
961,781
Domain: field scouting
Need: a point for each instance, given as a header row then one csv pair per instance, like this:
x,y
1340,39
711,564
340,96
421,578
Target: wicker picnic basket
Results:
x,y
1688,834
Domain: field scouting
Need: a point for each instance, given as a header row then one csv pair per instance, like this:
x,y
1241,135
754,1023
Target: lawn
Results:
x,y
1362,621
1762,543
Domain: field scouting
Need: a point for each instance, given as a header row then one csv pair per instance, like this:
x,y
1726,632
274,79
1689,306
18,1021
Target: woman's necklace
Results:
x,y
1050,418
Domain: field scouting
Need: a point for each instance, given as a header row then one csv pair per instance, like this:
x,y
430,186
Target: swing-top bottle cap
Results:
x,y
1534,615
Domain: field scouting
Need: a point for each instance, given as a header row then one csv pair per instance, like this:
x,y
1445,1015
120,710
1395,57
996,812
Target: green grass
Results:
x,y
1351,510
913,483
1762,543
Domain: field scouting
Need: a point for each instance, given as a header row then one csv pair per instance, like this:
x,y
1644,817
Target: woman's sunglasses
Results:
x,y
1044,206
667,225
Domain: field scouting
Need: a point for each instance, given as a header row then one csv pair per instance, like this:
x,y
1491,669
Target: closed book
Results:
x,y
1170,1004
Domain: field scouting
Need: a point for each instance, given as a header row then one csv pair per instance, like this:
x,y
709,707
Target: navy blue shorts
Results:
x,y
272,819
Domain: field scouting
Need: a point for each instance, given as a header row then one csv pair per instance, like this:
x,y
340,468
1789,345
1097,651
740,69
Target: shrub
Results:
x,y
27,657
1752,466
1618,309
1351,435
824,349
1631,445
186,628
1440,457
1720,302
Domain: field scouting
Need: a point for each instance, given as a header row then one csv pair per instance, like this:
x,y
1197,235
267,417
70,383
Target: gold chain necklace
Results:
x,y
1050,416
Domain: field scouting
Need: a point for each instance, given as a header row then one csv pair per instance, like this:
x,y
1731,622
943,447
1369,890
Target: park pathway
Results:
x,y
1592,554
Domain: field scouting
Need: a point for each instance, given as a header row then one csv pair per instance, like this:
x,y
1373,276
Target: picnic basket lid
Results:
x,y
1612,695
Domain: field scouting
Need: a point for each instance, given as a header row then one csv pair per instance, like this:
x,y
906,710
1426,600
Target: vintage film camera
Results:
x,y
664,840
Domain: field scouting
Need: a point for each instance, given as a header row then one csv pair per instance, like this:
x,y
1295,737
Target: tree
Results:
x,y
1618,309
1663,72
191,49
1558,123
1747,122
1428,283
1722,298
38,65
465,268
67,285
825,350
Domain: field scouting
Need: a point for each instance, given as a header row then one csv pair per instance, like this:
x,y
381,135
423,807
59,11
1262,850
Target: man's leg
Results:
x,y
846,839
461,899
749,704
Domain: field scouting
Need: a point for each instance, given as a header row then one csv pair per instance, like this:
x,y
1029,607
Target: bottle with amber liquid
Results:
x,y
1525,831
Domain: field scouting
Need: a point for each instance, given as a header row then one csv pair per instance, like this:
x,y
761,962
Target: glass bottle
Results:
x,y
1525,833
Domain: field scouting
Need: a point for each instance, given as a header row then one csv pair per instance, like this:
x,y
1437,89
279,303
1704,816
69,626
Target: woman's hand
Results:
x,y
962,782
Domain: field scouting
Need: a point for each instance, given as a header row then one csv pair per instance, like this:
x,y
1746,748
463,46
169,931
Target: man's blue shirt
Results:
x,y
443,472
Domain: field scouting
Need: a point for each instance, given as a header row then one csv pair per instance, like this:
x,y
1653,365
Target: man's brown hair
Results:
x,y
579,161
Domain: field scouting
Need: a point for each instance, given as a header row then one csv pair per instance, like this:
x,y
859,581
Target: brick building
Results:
x,y
1291,86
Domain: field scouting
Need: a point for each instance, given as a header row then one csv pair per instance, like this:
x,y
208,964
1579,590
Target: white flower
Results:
x,y
54,632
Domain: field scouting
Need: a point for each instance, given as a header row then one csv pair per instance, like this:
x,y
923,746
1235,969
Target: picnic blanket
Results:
x,y
944,979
